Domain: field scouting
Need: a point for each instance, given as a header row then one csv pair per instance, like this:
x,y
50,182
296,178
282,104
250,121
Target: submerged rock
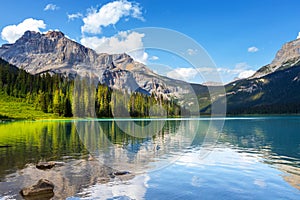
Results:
x,y
45,165
42,190
120,173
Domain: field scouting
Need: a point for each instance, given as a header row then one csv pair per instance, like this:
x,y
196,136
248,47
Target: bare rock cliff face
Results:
x,y
54,53
288,56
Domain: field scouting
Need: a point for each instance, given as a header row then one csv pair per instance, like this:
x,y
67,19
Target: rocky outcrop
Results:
x,y
288,56
42,190
54,53
45,165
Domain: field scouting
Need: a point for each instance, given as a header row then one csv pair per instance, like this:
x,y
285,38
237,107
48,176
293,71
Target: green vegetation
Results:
x,y
29,96
26,96
33,141
16,108
275,93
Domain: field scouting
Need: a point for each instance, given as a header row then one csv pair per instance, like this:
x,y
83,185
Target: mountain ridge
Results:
x,y
54,53
288,56
264,92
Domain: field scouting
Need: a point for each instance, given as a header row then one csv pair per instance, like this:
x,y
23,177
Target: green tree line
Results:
x,y
56,94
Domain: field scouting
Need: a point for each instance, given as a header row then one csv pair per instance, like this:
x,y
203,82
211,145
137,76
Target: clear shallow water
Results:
x,y
253,158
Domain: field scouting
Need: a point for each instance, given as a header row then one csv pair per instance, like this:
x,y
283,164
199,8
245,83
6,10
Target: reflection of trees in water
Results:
x,y
133,145
32,142
128,148
276,140
277,136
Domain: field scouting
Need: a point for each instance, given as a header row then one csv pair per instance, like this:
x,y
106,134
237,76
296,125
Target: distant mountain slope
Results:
x,y
277,92
274,88
288,56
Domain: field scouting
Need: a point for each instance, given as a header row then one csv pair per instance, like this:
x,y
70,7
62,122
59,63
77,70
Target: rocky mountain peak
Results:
x,y
30,34
289,52
288,56
54,34
54,53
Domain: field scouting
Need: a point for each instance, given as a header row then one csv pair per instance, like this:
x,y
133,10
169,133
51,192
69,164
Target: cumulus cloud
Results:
x,y
243,70
246,74
252,49
51,7
123,42
13,32
74,16
222,74
110,14
240,71
298,35
139,55
184,74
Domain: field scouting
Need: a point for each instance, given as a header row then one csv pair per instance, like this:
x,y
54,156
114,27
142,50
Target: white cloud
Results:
x,y
184,74
298,35
139,55
192,51
13,32
74,16
252,49
153,58
242,70
207,74
110,14
51,6
123,42
246,74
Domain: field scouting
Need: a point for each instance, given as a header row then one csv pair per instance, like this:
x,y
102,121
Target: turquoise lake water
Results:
x,y
231,158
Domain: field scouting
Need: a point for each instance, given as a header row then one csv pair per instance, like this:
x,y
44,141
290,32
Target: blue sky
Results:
x,y
239,35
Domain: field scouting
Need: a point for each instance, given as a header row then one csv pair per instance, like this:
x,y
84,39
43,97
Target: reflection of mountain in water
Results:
x,y
128,145
137,145
274,135
274,138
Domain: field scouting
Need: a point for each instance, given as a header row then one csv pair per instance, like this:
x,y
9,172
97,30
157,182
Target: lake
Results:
x,y
231,158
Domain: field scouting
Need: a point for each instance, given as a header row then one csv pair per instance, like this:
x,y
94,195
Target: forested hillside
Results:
x,y
55,94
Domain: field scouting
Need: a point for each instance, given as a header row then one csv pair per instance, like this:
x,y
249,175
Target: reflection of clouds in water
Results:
x,y
260,182
220,155
132,189
197,181
118,150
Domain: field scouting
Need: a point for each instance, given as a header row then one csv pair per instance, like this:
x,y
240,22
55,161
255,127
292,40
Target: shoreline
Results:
x,y
204,117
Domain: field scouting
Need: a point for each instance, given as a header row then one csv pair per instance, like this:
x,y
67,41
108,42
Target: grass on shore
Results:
x,y
14,108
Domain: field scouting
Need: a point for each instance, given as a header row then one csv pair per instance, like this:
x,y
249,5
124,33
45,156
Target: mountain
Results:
x,y
277,92
54,53
288,56
274,88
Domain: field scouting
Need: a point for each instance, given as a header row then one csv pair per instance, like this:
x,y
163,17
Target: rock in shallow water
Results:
x,y
42,190
120,173
45,165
